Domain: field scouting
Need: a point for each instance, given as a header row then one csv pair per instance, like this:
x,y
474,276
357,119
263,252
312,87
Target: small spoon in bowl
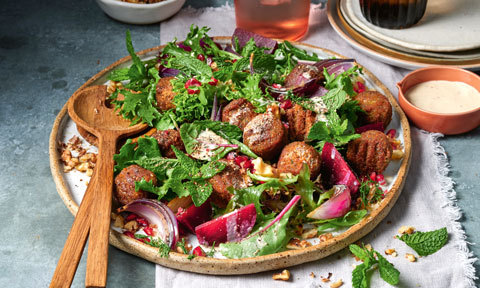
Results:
x,y
90,110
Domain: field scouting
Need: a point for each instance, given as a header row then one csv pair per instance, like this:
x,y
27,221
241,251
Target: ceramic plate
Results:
x,y
446,26
383,53
454,56
72,186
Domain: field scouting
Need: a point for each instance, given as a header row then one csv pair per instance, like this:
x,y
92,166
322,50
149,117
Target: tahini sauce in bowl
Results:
x,y
441,96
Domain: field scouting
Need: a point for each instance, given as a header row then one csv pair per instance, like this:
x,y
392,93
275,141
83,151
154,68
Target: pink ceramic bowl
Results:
x,y
449,124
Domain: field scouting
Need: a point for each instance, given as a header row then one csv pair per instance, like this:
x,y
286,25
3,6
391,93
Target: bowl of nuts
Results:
x,y
140,11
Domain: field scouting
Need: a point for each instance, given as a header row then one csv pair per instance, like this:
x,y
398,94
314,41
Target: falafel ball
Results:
x,y
125,183
265,135
238,112
300,121
232,176
377,106
295,154
167,138
301,74
164,95
369,153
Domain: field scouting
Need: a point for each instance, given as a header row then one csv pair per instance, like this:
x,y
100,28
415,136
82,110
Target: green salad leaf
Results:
x,y
270,241
351,218
426,243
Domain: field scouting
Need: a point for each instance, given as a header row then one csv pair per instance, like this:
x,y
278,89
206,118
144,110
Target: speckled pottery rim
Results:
x,y
246,265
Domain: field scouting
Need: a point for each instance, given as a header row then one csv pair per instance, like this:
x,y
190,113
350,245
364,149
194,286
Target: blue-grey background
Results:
x,y
47,50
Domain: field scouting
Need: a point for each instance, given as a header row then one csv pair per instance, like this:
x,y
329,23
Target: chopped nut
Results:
x,y
188,247
406,230
296,244
368,247
312,274
284,276
326,279
131,226
118,221
397,154
410,257
180,250
325,237
111,86
89,172
67,169
395,254
336,284
82,167
389,251
309,233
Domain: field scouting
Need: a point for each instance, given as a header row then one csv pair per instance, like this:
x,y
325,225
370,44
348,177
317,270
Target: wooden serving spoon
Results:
x,y
89,109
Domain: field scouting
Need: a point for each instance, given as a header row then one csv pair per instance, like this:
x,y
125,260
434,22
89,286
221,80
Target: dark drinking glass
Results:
x,y
393,14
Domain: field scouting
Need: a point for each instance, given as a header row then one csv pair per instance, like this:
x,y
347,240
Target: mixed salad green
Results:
x,y
207,75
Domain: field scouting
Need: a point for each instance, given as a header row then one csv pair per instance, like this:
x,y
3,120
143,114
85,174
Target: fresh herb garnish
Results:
x,y
163,248
182,244
426,243
336,131
371,258
370,192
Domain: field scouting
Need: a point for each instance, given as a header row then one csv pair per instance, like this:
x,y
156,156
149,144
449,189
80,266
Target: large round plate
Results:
x,y
71,187
383,53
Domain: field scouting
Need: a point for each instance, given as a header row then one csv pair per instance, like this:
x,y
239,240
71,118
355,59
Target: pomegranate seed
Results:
x,y
247,164
277,86
131,217
240,159
192,82
380,179
213,82
142,221
359,87
373,176
391,133
280,98
201,57
129,234
148,231
234,60
261,182
198,251
191,91
286,104
285,125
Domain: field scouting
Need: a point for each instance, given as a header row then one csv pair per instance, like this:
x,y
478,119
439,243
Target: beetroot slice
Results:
x,y
193,216
336,171
375,126
244,36
231,227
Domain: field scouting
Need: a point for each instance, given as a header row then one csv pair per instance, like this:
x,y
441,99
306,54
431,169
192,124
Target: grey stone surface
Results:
x,y
47,50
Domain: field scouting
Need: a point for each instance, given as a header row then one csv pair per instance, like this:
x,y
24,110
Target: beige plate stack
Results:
x,y
446,35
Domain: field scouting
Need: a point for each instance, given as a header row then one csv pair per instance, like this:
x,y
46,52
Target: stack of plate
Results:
x,y
448,34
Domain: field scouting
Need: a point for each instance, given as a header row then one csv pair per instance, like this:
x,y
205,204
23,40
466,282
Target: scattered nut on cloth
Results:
x,y
423,202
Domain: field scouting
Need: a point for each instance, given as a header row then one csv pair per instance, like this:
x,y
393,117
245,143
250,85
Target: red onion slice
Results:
x,y
335,207
158,214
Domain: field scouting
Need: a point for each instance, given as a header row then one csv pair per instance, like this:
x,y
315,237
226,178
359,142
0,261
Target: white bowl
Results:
x,y
140,13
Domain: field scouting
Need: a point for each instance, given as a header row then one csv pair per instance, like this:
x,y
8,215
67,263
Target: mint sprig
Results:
x,y
370,258
426,243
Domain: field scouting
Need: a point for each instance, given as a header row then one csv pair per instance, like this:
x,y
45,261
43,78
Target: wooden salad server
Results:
x,y
90,110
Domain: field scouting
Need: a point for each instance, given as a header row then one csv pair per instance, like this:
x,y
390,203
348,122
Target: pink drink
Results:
x,y
283,19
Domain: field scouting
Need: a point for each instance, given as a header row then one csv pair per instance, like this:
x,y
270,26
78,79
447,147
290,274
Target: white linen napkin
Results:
x,y
427,201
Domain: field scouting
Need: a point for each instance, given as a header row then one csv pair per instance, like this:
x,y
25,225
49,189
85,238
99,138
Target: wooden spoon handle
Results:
x,y
97,260
73,249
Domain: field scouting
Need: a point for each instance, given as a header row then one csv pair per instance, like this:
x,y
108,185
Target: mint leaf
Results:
x,y
200,190
426,243
361,253
388,273
359,275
